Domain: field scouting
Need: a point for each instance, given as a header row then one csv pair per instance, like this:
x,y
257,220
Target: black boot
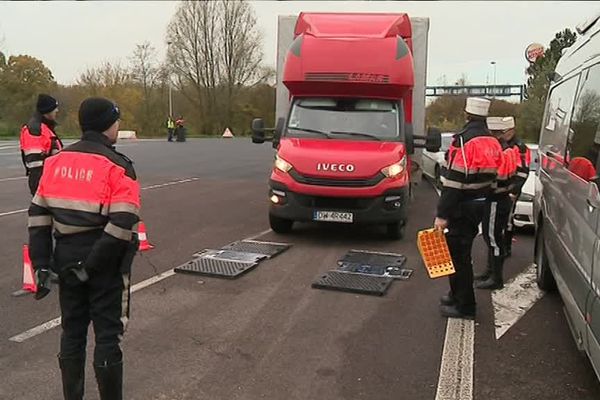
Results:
x,y
455,312
495,281
110,381
73,377
447,299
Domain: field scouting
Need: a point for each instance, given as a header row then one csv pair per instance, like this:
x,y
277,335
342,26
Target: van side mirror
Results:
x,y
258,130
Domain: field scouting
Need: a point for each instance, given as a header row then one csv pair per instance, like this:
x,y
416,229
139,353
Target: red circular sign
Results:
x,y
533,52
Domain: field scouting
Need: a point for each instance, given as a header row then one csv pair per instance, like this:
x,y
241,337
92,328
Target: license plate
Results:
x,y
333,216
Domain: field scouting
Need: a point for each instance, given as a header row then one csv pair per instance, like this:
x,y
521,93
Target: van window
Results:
x,y
584,133
555,127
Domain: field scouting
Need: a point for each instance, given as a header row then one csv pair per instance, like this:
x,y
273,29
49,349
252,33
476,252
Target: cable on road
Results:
x,y
154,267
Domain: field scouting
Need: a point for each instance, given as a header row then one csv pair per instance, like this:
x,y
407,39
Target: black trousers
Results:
x,y
510,226
495,224
170,132
463,227
102,300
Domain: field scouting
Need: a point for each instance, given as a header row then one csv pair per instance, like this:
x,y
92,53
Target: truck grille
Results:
x,y
309,180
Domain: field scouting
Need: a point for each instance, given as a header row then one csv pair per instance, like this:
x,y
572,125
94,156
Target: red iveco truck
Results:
x,y
344,146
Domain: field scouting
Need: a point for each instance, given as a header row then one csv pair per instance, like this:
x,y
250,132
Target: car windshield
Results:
x,y
348,119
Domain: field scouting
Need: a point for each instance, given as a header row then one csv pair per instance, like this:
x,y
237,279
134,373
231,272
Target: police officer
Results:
x,y
472,164
38,139
89,195
497,210
523,155
170,129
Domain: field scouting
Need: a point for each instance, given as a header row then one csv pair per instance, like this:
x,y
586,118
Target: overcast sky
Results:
x,y
465,37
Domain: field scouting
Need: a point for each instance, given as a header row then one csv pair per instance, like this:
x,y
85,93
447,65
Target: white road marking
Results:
x,y
16,178
46,326
161,185
259,234
21,337
514,300
152,280
4,214
456,370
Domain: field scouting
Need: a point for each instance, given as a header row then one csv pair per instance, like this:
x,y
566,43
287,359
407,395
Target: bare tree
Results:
x,y
241,54
145,73
215,48
144,67
107,75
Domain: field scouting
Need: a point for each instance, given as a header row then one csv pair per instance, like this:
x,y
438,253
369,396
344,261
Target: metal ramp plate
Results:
x,y
269,249
215,267
230,255
374,258
377,270
355,283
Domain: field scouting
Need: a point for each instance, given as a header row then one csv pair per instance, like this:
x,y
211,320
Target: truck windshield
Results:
x,y
348,119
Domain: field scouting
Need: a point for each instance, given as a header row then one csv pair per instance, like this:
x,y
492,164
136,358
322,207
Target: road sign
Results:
x,y
533,52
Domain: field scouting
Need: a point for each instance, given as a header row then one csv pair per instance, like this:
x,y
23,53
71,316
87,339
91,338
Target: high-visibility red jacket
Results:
x,y
472,164
507,171
90,196
523,155
38,141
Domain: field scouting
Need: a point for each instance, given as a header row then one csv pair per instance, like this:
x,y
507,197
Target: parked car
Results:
x,y
523,215
567,199
433,161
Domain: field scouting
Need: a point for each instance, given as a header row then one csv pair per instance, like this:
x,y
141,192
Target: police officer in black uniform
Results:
x,y
89,196
472,163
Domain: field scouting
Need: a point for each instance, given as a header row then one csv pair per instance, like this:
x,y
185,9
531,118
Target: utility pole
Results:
x,y
494,86
170,84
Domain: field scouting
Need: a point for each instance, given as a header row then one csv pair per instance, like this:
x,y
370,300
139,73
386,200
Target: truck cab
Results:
x,y
344,148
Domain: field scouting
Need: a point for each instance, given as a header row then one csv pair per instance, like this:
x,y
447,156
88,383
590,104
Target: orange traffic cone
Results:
x,y
144,243
28,275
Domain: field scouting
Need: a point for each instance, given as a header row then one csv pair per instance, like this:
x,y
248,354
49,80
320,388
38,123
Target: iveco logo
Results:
x,y
335,167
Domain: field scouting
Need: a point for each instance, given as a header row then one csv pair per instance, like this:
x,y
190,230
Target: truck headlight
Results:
x,y
395,170
281,164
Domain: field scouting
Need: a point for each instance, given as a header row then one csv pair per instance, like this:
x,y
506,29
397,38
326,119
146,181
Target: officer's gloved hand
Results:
x,y
42,278
74,274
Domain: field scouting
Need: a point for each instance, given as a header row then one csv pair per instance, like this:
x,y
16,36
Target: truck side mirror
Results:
x,y
409,140
278,131
433,141
258,130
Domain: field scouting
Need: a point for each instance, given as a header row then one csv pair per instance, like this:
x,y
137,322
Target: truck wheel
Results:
x,y
396,230
280,225
544,278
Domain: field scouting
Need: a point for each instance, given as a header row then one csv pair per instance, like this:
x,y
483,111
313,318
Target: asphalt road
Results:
x,y
268,334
